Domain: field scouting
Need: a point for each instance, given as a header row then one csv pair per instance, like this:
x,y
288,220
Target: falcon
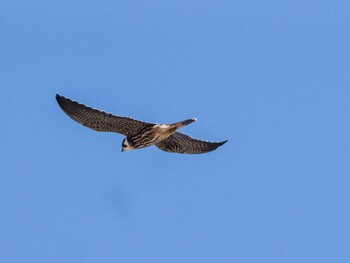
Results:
x,y
139,134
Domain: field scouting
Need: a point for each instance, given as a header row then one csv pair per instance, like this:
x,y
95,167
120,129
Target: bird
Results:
x,y
139,134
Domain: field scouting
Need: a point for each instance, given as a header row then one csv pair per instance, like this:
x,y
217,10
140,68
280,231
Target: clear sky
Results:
x,y
272,77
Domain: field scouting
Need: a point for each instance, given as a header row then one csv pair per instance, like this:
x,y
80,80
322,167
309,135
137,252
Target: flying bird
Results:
x,y
139,134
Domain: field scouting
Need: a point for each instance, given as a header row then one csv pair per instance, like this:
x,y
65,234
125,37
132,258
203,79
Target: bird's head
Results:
x,y
126,145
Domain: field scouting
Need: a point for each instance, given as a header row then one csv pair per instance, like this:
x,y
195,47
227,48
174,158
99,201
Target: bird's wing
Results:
x,y
182,143
100,120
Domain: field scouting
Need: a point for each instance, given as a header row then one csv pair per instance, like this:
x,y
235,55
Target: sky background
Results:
x,y
272,77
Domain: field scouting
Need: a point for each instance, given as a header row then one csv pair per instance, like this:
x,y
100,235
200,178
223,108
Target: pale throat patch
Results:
x,y
126,146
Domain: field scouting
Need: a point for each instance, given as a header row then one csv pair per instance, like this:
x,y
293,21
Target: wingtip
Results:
x,y
219,144
223,142
58,97
63,102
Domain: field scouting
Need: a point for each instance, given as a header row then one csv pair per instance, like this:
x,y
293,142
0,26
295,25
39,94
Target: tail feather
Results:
x,y
183,123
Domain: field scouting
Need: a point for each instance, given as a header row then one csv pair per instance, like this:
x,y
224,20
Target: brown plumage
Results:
x,y
139,134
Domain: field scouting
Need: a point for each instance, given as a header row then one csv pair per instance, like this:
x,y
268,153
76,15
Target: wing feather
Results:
x,y
99,120
183,143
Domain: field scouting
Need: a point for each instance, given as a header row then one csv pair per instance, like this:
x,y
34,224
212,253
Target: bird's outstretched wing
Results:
x,y
182,143
100,120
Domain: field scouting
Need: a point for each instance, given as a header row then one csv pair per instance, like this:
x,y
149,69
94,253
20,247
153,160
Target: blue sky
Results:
x,y
272,77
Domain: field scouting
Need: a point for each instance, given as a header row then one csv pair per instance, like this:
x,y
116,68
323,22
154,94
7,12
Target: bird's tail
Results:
x,y
183,123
